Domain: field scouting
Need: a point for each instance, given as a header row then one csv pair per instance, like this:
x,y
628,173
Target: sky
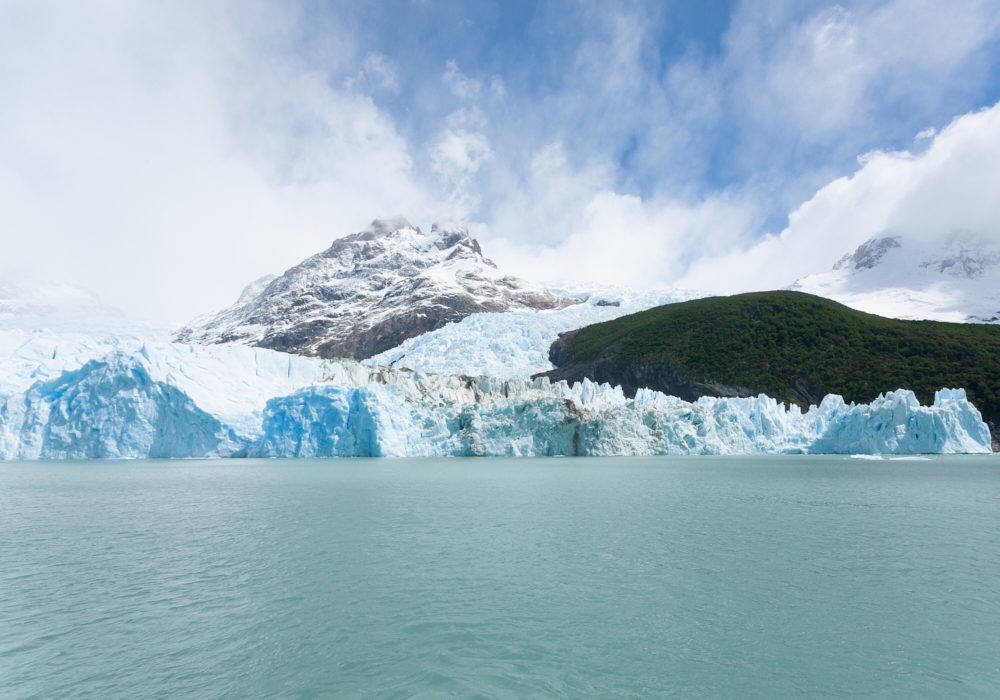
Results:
x,y
164,155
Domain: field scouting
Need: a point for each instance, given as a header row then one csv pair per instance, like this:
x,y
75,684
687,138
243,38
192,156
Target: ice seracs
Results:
x,y
516,343
954,277
369,292
169,400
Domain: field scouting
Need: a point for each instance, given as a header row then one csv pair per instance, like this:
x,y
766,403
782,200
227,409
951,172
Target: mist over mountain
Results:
x,y
952,277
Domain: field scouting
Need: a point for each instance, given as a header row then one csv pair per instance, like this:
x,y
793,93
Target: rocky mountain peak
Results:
x,y
966,255
869,254
370,291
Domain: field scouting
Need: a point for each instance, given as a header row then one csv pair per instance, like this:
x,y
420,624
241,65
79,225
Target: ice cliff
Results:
x,y
66,399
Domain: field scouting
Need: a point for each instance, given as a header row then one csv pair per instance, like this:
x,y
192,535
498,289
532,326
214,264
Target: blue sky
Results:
x,y
627,142
678,117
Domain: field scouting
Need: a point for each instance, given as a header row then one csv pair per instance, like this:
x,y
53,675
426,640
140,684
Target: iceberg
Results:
x,y
65,397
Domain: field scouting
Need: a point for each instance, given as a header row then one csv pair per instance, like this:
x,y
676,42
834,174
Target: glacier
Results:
x,y
66,396
516,343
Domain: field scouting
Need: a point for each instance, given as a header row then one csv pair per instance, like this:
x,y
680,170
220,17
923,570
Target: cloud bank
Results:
x,y
949,186
164,155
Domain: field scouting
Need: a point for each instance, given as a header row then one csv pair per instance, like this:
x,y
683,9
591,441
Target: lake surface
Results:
x,y
812,577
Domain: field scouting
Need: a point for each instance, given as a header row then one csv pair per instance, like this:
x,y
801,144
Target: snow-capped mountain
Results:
x,y
369,292
954,278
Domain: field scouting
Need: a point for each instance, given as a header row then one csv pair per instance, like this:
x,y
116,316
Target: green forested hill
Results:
x,y
779,342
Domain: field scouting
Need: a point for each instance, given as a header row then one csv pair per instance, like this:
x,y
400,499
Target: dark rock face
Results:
x,y
994,434
634,375
369,292
805,393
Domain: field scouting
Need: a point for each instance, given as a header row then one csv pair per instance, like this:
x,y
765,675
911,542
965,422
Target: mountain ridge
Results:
x,y
370,291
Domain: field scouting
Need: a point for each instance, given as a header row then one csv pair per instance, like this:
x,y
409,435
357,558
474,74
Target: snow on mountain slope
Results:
x,y
165,400
65,308
516,343
954,278
369,292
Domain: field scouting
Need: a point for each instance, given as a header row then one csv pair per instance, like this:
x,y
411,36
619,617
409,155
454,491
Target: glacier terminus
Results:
x,y
141,399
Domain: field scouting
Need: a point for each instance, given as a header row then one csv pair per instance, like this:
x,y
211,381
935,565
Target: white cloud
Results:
x,y
950,186
622,240
832,71
165,154
460,153
457,156
378,65
498,88
571,224
461,85
462,148
789,81
376,69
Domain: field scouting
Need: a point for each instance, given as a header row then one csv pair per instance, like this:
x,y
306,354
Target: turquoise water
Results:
x,y
642,578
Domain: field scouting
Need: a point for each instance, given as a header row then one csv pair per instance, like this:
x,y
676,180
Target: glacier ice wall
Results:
x,y
514,418
61,399
109,409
